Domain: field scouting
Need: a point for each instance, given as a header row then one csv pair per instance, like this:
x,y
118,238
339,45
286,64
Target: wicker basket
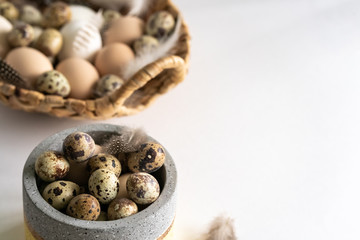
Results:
x,y
135,95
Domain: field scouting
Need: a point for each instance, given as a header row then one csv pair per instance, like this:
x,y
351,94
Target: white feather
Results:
x,y
222,228
163,49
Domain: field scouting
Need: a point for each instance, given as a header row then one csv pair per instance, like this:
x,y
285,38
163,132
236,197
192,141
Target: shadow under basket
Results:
x,y
43,222
135,94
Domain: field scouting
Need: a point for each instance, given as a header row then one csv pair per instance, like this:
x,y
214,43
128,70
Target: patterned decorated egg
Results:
x,y
143,188
49,42
104,185
9,11
104,161
78,146
51,166
121,208
145,44
84,206
31,15
160,24
53,82
108,84
57,14
58,194
149,158
21,35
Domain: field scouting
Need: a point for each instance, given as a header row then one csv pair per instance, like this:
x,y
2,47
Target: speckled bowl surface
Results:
x,y
42,221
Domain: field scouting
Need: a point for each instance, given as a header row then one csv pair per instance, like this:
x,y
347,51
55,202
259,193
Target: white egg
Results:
x,y
82,39
79,12
5,28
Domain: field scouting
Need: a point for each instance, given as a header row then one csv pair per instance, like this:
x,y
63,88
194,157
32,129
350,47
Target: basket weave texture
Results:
x,y
135,95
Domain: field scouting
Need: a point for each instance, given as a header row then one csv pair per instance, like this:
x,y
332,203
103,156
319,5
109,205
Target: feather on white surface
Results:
x,y
222,228
163,49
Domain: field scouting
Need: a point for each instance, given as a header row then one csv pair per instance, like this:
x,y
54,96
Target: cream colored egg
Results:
x,y
58,194
80,12
82,39
124,29
113,58
31,15
81,75
104,185
29,62
5,28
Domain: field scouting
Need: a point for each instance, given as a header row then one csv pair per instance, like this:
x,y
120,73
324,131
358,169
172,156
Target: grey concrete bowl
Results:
x,y
44,222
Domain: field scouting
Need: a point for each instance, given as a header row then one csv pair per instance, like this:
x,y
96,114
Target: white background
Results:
x,y
266,126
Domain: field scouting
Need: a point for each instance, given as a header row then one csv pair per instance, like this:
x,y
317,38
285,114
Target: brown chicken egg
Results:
x,y
81,75
124,29
112,58
29,62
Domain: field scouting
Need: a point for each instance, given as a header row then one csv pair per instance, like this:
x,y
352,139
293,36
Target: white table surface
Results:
x,y
265,127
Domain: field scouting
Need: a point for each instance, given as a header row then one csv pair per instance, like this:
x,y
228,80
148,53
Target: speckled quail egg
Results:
x,y
84,206
108,84
121,208
104,185
30,15
149,158
104,161
57,14
110,15
58,194
78,146
51,166
53,82
21,35
145,44
160,24
49,42
9,11
143,188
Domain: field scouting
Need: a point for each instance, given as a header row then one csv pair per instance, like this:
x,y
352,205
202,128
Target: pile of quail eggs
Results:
x,y
71,50
85,183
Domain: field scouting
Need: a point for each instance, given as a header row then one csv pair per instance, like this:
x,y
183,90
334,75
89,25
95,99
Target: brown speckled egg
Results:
x,y
21,35
103,216
84,206
57,14
149,158
108,84
49,42
104,185
104,161
121,208
143,188
51,166
78,146
9,11
160,24
122,189
53,82
145,44
31,15
58,194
